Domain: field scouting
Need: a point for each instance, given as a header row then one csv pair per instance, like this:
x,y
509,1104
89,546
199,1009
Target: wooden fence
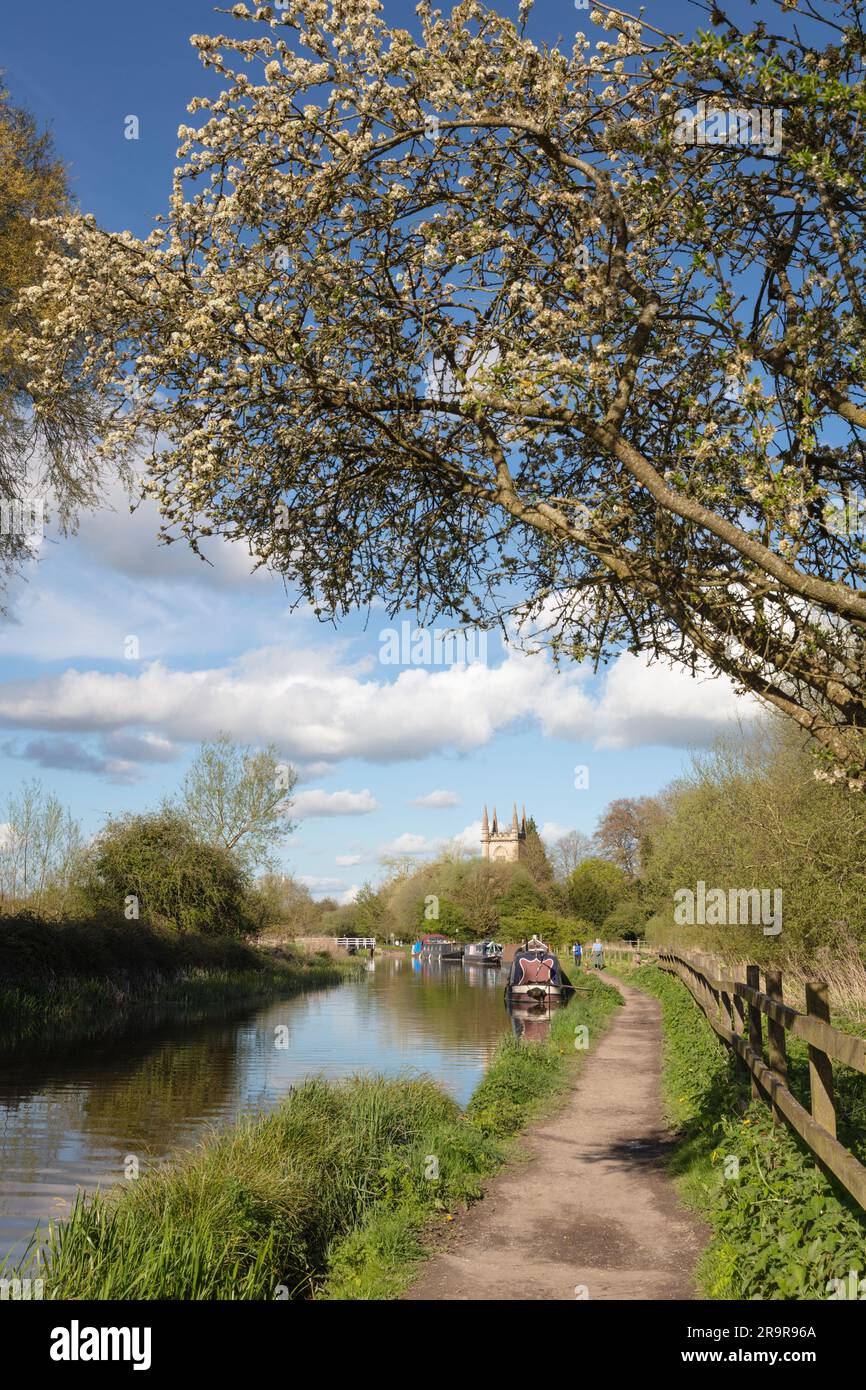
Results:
x,y
736,1009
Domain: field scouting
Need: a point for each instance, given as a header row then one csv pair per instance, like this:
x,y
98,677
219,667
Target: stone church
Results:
x,y
508,846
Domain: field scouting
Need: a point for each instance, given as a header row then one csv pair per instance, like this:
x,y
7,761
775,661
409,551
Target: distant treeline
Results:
x,y
754,814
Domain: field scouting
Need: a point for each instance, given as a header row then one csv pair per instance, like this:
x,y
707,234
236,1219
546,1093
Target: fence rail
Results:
x,y
361,943
736,1009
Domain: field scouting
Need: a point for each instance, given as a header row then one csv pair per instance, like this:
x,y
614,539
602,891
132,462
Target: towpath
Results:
x,y
592,1207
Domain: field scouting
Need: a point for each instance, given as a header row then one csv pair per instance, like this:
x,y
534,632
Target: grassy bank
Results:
x,y
66,980
331,1196
781,1229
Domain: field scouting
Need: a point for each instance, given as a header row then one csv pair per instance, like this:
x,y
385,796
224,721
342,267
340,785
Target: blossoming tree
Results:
x,y
483,327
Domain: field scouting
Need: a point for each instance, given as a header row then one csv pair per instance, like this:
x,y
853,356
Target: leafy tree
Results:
x,y
238,798
748,814
594,889
624,828
536,861
369,910
469,317
627,921
452,922
569,851
522,892
46,437
152,867
554,930
40,843
289,903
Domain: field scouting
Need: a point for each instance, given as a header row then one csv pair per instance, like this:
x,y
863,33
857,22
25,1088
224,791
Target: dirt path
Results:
x,y
593,1205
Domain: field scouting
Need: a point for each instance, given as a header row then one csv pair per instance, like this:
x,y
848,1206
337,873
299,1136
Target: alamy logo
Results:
x,y
852,1287
734,125
18,1289
22,517
77,1343
424,646
713,907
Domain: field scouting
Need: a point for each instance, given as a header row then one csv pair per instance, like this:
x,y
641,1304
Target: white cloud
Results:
x,y
437,800
346,859
469,838
343,803
330,888
407,843
317,706
551,832
325,886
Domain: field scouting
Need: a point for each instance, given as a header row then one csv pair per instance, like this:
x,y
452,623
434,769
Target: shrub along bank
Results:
x,y
781,1229
68,979
329,1196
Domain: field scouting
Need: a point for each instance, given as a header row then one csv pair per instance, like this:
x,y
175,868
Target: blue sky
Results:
x,y
217,647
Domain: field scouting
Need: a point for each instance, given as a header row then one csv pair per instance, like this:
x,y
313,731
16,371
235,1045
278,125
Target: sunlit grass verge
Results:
x,y
75,980
781,1229
331,1196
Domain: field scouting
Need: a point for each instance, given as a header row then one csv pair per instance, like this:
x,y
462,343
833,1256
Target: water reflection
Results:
x,y
68,1120
531,1018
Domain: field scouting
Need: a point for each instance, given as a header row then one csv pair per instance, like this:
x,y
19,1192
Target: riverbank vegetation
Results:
x,y
156,912
751,814
780,1228
334,1195
64,980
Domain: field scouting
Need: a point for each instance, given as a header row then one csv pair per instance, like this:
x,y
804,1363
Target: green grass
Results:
x,y
61,981
333,1195
781,1228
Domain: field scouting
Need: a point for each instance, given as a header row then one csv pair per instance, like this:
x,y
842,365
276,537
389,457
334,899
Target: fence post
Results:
x,y
739,1027
776,1036
820,1065
756,1037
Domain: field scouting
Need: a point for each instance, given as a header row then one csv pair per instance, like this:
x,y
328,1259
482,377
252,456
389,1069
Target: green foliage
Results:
x,y
237,799
48,450
288,904
750,813
521,894
627,921
556,931
535,859
60,980
478,889
452,921
781,1229
177,880
595,888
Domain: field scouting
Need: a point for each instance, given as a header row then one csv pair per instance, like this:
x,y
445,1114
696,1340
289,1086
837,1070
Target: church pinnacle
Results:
x,y
505,846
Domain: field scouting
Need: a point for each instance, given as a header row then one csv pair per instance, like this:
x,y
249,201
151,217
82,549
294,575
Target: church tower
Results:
x,y
505,846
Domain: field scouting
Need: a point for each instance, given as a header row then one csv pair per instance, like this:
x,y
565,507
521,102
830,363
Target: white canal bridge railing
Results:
x,y
361,943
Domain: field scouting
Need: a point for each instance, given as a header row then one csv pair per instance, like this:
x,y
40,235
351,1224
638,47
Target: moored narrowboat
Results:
x,y
536,974
483,953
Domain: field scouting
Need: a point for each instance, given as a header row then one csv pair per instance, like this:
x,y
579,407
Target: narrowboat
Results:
x,y
436,947
483,953
536,974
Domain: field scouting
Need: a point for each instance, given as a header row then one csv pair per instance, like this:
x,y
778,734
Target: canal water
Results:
x,y
71,1118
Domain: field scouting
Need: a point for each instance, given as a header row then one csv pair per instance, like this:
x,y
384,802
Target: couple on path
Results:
x,y
597,950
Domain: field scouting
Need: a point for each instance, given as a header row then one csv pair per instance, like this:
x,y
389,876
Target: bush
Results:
x,y
595,888
154,865
555,931
626,922
450,922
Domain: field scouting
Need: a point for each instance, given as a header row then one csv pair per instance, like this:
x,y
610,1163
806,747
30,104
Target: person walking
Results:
x,y
577,952
598,954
